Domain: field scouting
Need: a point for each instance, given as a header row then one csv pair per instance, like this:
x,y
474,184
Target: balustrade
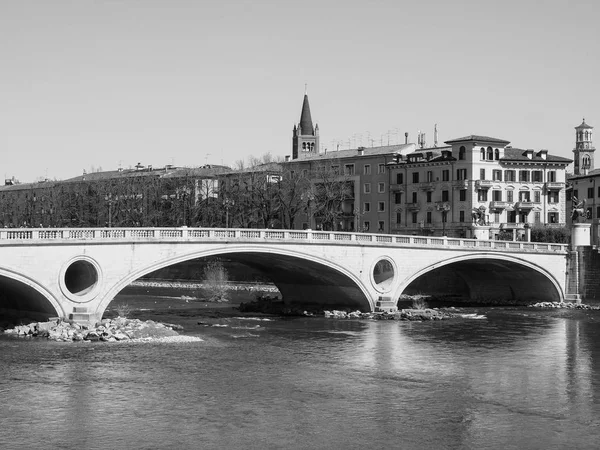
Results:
x,y
24,236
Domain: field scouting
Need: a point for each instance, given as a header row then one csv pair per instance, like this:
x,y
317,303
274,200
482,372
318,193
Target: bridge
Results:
x,y
75,273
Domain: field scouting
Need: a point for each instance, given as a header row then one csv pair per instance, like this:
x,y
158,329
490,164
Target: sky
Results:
x,y
102,84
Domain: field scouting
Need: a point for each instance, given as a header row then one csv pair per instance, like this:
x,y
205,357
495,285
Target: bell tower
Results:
x,y
305,138
584,149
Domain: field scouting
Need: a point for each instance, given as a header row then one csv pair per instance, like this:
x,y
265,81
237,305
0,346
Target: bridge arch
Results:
x,y
300,277
485,277
22,297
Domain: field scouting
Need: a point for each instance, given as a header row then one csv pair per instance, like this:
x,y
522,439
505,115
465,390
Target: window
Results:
x,y
524,176
335,169
429,176
348,169
366,225
461,174
462,195
381,206
509,175
367,169
380,226
381,187
490,153
428,197
537,217
461,216
398,198
366,207
414,197
399,178
461,152
496,217
380,168
497,175
304,173
414,217
367,188
552,197
497,196
398,217
415,177
576,193
445,175
552,217
509,196
590,192
598,191
536,196
552,176
524,196
482,195
496,154
482,154
445,196
428,216
511,216
482,174
537,176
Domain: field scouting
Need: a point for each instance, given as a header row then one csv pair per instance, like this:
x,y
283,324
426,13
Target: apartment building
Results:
x,y
477,186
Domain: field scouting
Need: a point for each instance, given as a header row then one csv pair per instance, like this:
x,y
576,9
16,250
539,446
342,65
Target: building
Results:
x,y
584,183
475,186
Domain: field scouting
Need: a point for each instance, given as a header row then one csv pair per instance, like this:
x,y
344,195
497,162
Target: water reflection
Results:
x,y
514,380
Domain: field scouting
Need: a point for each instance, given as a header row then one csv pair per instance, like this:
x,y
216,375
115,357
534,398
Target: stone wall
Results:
x,y
589,273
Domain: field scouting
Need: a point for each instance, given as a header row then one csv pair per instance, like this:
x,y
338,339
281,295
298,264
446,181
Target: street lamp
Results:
x,y
308,197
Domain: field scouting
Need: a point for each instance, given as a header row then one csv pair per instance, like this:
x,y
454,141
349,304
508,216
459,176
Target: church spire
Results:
x,y
306,124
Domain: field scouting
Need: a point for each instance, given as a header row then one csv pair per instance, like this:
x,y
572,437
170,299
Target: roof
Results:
x,y
438,154
591,173
519,154
306,124
403,149
163,172
474,137
583,125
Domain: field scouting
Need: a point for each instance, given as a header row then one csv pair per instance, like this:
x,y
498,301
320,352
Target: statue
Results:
x,y
478,215
579,211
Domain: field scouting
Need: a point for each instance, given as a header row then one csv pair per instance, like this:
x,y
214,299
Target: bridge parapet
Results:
x,y
41,236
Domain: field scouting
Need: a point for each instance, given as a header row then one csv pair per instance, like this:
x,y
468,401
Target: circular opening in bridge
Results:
x,y
81,277
383,274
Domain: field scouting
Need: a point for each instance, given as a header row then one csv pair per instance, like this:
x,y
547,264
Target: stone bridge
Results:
x,y
75,273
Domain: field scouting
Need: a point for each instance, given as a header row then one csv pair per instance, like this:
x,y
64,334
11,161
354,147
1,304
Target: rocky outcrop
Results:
x,y
109,330
404,314
568,305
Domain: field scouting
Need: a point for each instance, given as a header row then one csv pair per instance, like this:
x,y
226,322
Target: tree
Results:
x,y
330,189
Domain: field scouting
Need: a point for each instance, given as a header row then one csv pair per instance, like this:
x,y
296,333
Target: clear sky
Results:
x,y
101,83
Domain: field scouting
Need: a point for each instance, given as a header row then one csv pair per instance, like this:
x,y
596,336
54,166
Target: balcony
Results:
x,y
461,184
554,186
525,205
396,187
498,205
483,184
428,186
416,206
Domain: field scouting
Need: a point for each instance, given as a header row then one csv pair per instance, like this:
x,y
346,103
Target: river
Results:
x,y
513,378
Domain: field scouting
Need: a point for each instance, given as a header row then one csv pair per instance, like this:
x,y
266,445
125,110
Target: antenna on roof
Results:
x,y
435,135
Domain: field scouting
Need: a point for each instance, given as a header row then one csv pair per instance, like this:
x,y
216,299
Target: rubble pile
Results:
x,y
569,305
109,330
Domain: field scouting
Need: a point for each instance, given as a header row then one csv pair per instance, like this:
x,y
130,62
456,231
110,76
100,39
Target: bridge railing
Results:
x,y
11,236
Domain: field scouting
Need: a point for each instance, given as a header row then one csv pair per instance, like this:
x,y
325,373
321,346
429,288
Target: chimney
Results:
x,y
529,153
361,151
406,138
287,158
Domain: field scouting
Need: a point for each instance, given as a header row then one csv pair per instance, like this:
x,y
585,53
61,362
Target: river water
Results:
x,y
499,379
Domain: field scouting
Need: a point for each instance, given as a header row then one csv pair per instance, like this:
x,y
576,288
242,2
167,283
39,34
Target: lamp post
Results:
x,y
308,197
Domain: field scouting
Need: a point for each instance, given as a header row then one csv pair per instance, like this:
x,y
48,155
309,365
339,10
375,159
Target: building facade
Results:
x,y
475,186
